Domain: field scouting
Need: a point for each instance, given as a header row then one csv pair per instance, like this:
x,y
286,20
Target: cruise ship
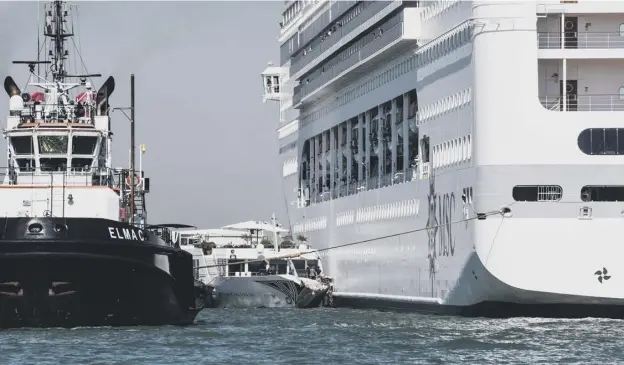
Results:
x,y
457,157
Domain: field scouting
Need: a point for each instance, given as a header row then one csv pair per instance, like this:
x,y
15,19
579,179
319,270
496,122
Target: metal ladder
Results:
x,y
56,207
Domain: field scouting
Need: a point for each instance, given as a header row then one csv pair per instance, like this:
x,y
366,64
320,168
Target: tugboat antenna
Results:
x,y
55,20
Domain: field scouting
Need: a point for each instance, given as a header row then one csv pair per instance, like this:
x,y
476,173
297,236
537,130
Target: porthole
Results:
x,y
35,228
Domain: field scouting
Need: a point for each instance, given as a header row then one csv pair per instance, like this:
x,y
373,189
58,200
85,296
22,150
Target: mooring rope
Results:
x,y
295,254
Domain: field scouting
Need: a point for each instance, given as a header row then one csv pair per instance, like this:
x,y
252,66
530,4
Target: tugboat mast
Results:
x,y
55,21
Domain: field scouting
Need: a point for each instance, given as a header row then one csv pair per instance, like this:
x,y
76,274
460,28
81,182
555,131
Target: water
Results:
x,y
324,336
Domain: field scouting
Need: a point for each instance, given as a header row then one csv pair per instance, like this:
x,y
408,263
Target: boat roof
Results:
x,y
169,225
215,232
255,225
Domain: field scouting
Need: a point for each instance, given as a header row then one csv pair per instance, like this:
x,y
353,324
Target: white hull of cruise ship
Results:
x,y
495,132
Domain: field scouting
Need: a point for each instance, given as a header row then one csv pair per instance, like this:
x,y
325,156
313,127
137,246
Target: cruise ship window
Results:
x,y
621,30
537,193
453,152
602,141
621,92
612,193
462,149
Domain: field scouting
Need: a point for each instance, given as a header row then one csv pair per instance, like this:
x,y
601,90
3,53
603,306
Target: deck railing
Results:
x,y
113,178
584,103
587,40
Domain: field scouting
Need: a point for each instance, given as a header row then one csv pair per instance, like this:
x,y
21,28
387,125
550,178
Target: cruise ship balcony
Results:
x,y
580,45
385,42
591,84
584,103
321,44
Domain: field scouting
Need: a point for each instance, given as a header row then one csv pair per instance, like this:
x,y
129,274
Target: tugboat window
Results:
x,y
602,141
23,145
83,164
26,164
53,164
83,145
52,144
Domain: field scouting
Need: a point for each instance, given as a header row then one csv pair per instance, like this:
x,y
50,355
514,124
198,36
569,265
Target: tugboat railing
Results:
x,y
109,177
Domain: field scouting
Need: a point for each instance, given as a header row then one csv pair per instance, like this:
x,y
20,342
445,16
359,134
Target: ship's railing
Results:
x,y
586,40
317,79
113,178
50,113
584,103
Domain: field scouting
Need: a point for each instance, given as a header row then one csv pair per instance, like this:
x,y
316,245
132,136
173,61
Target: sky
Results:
x,y
211,144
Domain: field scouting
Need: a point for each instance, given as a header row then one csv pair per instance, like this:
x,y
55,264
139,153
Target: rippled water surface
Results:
x,y
325,336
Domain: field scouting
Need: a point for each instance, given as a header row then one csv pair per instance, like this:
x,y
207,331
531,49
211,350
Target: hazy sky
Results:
x,y
211,143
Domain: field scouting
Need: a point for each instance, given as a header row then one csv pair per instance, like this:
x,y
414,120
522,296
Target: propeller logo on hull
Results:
x,y
602,275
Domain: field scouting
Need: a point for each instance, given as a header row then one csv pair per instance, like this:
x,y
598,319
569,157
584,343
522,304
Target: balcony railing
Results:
x,y
300,61
306,87
552,40
584,103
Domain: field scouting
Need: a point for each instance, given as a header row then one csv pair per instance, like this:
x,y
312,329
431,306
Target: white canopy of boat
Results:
x,y
255,225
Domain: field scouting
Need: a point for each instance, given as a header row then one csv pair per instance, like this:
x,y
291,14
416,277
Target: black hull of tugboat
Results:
x,y
92,272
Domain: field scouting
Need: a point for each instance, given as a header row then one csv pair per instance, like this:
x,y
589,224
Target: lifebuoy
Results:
x,y
137,177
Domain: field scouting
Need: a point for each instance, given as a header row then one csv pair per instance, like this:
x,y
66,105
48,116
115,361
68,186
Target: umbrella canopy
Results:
x,y
255,225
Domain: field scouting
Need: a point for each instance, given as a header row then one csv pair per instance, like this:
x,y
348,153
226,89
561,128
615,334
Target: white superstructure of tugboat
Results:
x,y
74,248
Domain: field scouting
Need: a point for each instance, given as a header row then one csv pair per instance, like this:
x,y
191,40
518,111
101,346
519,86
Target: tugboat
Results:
x,y
75,248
